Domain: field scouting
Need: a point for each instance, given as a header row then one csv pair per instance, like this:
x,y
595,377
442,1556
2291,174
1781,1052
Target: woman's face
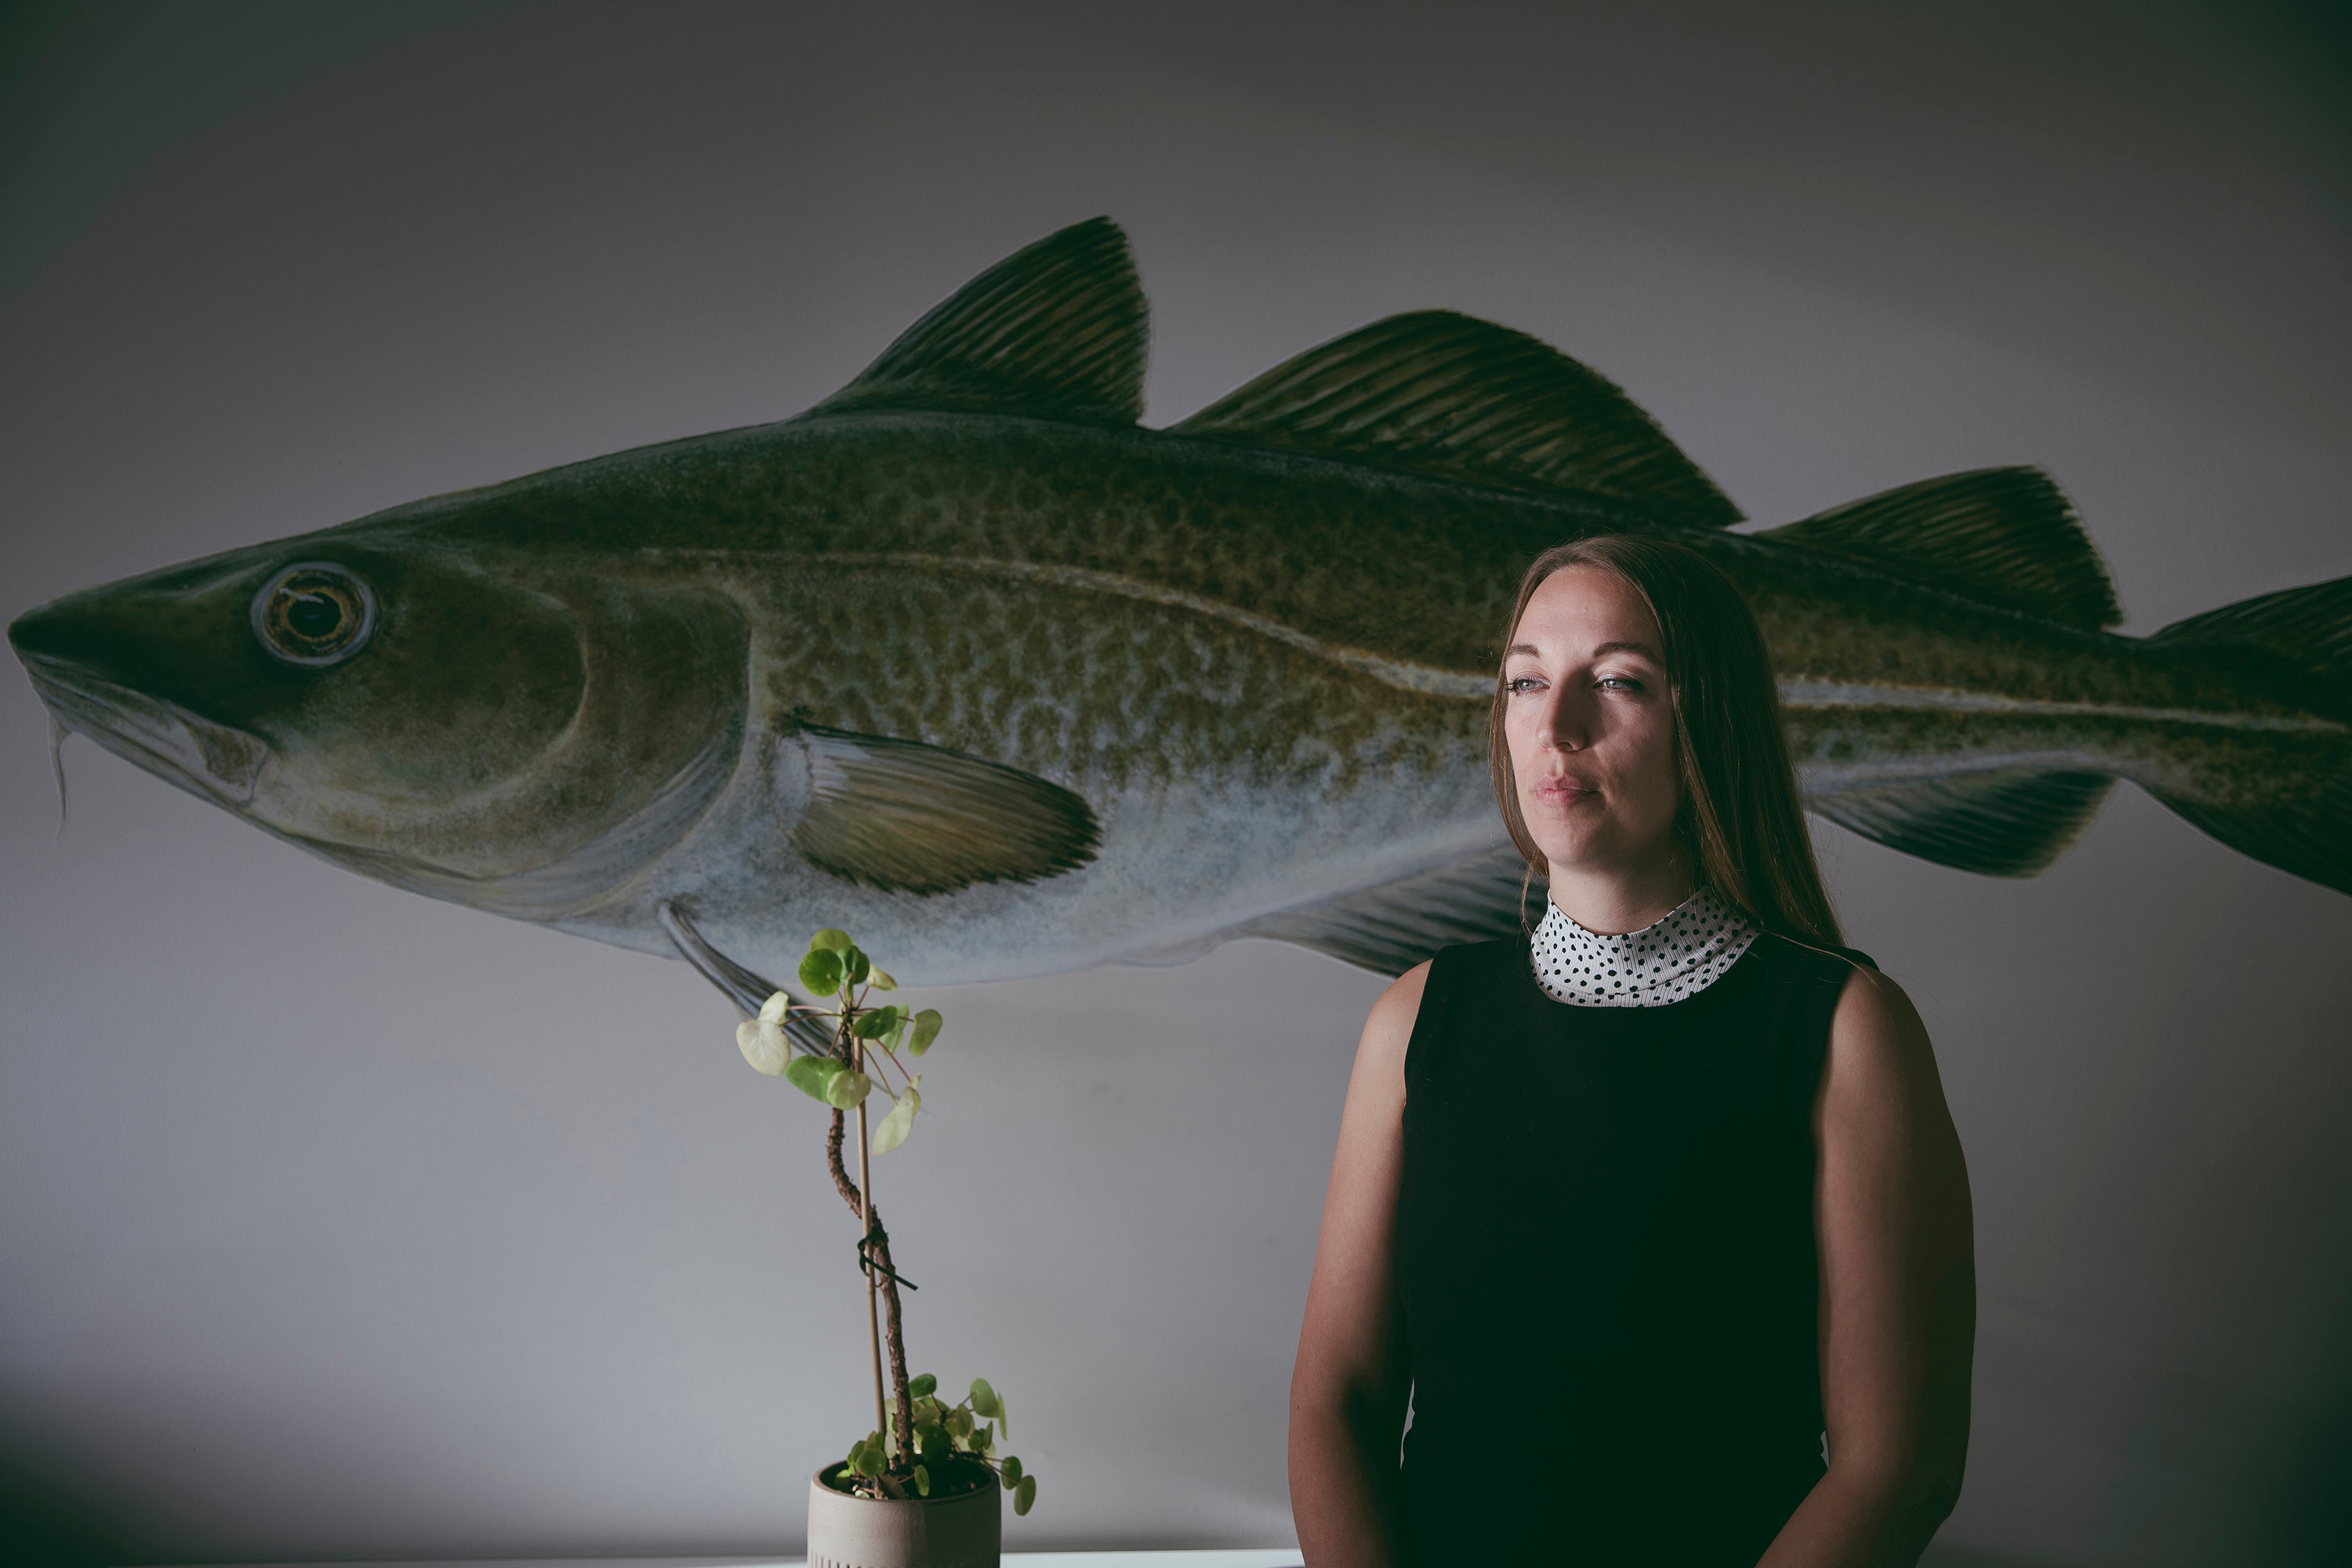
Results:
x,y
1590,722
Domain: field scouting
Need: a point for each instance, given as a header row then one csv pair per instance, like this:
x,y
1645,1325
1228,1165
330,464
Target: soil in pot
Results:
x,y
950,1478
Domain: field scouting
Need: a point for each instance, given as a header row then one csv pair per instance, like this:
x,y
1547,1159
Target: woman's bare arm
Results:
x,y
1898,1293
1349,1387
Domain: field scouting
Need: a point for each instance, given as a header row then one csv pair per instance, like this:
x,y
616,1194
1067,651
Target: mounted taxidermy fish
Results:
x,y
965,660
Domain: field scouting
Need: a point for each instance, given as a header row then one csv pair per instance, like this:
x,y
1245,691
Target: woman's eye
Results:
x,y
1623,682
1519,683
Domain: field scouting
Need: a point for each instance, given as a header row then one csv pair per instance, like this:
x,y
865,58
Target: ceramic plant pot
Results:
x,y
847,1532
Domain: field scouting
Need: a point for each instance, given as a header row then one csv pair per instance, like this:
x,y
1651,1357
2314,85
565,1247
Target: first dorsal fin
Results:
x,y
2000,536
1437,392
1058,330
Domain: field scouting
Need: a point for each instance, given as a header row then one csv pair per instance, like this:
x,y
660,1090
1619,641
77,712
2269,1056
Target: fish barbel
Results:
x,y
967,660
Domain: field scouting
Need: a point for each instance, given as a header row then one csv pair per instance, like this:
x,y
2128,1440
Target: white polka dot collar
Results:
x,y
1675,957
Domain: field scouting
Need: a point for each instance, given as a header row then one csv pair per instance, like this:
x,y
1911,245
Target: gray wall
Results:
x,y
338,1222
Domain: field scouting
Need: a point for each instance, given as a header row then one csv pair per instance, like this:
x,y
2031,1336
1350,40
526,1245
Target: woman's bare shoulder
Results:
x,y
1401,1000
1388,1031
1881,1066
1875,1008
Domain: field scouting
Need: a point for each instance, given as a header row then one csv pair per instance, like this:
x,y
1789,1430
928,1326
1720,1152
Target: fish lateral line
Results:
x,y
1931,699
1405,677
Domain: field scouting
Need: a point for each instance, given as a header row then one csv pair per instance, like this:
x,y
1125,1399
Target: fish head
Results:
x,y
488,725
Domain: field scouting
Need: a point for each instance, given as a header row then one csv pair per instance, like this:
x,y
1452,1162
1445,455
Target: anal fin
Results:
x,y
1390,928
2005,822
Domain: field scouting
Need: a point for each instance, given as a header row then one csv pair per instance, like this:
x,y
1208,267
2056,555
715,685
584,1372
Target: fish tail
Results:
x,y
2300,818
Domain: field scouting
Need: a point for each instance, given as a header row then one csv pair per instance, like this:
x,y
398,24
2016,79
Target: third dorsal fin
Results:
x,y
1058,330
2000,536
1436,392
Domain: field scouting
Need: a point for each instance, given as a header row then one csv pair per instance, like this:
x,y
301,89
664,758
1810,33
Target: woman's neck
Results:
x,y
1608,902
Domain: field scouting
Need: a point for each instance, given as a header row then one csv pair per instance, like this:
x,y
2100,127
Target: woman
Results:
x,y
1638,1207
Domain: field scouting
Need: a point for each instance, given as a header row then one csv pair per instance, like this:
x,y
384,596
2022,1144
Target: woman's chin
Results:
x,y
1567,851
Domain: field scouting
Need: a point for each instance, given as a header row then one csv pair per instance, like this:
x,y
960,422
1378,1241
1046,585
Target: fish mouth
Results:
x,y
213,761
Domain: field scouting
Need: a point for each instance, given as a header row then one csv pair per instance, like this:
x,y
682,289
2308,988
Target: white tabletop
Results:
x,y
1248,1557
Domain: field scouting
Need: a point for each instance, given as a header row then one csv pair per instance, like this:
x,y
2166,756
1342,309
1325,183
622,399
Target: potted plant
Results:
x,y
931,1500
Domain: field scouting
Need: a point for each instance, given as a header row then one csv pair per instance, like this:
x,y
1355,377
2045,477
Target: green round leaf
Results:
x,y
901,1119
922,1385
882,982
927,1029
1025,1494
763,1046
1010,1472
772,1010
811,1075
922,1482
829,941
821,971
854,966
847,1088
892,1130
984,1400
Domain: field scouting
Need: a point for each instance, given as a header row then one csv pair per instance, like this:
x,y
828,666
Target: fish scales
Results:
x,y
1184,516
1009,684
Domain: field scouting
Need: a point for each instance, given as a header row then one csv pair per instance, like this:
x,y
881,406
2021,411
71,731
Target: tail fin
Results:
x,y
2304,636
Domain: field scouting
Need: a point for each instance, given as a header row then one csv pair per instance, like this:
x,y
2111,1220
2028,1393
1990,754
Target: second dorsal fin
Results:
x,y
1058,330
1437,392
2000,536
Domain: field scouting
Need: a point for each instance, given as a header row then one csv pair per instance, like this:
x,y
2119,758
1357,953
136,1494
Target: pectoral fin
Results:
x,y
908,817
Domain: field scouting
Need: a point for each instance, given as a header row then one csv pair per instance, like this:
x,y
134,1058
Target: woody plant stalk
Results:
x,y
953,1446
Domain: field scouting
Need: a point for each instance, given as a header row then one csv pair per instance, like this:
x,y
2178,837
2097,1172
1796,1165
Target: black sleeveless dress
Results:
x,y
1606,1259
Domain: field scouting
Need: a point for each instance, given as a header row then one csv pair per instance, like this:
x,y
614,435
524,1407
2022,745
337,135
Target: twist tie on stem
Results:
x,y
868,1265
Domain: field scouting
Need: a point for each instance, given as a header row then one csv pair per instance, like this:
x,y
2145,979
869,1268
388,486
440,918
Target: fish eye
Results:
x,y
314,613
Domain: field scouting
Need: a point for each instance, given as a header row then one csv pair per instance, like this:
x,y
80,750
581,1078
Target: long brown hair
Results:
x,y
1739,820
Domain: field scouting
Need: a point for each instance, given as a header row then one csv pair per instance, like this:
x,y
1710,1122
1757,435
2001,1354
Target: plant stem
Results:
x,y
866,1217
877,1250
901,1395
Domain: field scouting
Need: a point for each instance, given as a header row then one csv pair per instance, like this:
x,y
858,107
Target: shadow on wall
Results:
x,y
2310,1516
41,1528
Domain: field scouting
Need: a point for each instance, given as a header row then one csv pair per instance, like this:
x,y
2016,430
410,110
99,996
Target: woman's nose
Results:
x,y
1571,724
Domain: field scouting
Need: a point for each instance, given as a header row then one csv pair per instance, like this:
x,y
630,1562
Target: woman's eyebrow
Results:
x,y
1644,649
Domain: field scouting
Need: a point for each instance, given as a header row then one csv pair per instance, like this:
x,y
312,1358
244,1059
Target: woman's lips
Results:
x,y
1563,791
